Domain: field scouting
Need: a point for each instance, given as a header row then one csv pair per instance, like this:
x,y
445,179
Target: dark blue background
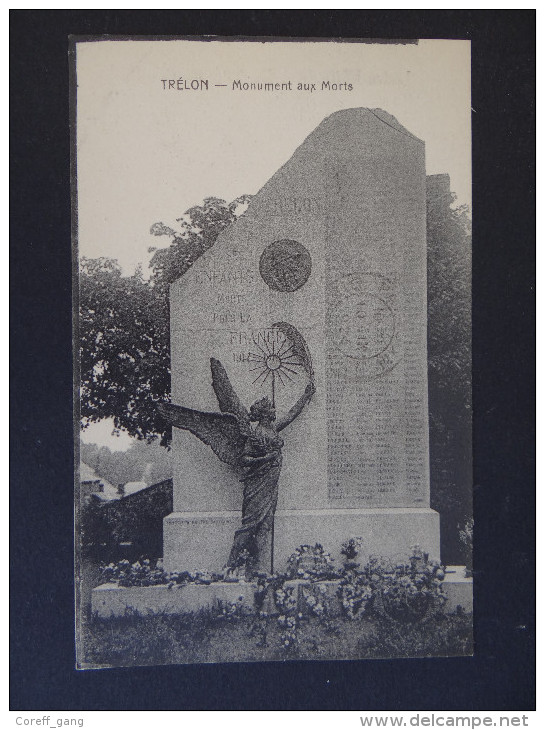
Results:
x,y
501,675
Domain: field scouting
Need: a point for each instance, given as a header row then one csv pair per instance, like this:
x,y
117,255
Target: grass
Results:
x,y
134,640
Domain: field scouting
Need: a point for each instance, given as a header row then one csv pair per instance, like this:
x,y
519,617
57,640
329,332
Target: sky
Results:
x,y
101,433
146,153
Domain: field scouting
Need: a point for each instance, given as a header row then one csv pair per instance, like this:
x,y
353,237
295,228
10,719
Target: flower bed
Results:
x,y
402,591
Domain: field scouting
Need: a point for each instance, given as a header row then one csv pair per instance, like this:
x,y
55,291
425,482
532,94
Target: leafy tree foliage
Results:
x,y
124,348
449,296
200,227
124,323
449,364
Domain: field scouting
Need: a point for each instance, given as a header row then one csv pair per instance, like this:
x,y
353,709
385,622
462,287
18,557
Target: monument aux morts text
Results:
x,y
335,245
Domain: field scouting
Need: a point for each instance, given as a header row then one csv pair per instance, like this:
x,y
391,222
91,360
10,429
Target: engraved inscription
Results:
x,y
375,385
219,277
285,205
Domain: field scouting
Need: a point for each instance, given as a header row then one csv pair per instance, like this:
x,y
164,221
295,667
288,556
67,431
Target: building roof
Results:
x,y
88,474
132,487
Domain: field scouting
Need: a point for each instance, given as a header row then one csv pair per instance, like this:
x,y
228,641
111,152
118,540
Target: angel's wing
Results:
x,y
223,432
228,400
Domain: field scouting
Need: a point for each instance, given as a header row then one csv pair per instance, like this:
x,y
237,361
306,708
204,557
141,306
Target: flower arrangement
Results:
x,y
311,563
136,574
286,602
350,548
144,573
316,604
407,590
355,592
404,591
289,634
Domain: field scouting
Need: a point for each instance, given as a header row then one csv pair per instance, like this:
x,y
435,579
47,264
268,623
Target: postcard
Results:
x,y
272,349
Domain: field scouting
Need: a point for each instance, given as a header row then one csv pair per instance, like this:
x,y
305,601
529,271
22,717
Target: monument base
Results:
x,y
110,600
203,540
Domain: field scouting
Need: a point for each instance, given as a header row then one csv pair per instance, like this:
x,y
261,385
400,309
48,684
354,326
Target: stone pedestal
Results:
x,y
202,540
335,245
198,540
386,532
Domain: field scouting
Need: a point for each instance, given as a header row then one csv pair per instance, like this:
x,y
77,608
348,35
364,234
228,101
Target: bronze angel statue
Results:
x,y
254,450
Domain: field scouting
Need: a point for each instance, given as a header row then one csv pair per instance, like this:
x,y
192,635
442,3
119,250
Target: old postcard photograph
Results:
x,y
272,347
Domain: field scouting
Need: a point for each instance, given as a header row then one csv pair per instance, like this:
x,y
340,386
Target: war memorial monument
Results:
x,y
315,299
299,414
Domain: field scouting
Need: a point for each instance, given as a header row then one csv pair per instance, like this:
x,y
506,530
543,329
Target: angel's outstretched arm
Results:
x,y
297,408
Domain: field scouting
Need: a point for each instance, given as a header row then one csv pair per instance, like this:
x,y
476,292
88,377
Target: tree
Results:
x,y
200,227
449,363
124,348
124,324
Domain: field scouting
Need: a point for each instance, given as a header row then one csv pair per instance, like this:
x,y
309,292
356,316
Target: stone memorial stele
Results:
x,y
335,245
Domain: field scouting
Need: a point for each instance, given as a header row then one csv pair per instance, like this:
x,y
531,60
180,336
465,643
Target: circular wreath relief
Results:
x,y
285,265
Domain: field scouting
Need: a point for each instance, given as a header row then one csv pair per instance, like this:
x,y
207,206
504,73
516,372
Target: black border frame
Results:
x,y
501,675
